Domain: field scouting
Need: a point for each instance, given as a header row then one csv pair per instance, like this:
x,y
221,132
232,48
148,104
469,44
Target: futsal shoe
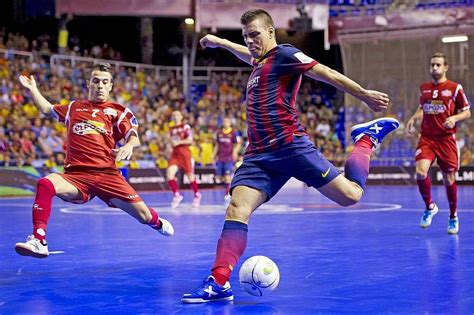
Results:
x,y
32,247
197,200
176,200
227,200
428,216
209,291
376,129
166,228
453,225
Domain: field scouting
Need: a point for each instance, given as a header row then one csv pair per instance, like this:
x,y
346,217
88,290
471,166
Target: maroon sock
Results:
x,y
452,192
424,185
45,192
357,165
173,185
194,186
227,189
230,247
155,223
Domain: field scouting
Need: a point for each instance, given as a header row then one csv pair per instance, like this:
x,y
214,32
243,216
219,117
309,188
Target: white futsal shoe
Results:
x,y
167,228
197,200
32,247
453,225
428,215
177,198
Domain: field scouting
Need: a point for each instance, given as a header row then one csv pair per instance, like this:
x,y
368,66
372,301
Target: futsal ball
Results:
x,y
259,275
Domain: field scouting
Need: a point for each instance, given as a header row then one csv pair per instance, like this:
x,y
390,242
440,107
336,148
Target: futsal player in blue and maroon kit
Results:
x,y
279,147
226,153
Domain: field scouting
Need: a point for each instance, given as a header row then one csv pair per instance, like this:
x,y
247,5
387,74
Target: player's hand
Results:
x,y
377,101
123,153
450,123
210,41
29,83
175,143
410,127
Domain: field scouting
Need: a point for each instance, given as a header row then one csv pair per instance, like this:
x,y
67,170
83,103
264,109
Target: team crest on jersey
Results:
x,y
446,93
110,111
89,127
134,121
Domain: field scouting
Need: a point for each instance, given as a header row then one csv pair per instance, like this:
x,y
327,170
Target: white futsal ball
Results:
x,y
259,275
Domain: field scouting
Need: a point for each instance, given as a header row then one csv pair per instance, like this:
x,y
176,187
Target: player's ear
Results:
x,y
271,32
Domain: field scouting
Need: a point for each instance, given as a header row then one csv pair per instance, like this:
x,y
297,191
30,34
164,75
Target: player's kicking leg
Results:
x,y
46,188
348,190
230,247
145,215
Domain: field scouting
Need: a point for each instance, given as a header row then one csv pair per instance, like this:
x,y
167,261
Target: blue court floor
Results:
x,y
370,258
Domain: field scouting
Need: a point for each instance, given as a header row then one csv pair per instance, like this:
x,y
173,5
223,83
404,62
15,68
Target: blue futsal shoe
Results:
x,y
376,129
209,291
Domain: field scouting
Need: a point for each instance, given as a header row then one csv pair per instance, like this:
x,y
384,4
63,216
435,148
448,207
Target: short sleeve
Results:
x,y
460,99
293,60
126,125
61,112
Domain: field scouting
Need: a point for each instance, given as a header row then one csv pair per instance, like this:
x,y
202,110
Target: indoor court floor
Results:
x,y
371,258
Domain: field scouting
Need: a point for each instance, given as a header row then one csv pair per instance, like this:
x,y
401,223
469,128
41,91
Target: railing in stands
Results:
x,y
7,53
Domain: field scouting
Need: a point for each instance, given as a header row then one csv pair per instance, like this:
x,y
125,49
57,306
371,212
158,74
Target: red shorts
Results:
x,y
443,149
183,161
105,185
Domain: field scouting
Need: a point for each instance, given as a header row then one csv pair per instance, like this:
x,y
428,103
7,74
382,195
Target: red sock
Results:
x,y
155,223
227,189
194,186
424,185
230,247
173,185
357,164
452,192
364,142
45,192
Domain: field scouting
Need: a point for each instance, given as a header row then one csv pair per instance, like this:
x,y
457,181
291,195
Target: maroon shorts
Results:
x,y
105,185
443,149
183,161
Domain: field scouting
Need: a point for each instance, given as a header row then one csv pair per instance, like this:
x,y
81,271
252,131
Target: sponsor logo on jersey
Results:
x,y
82,110
110,111
253,82
89,127
434,108
426,91
446,93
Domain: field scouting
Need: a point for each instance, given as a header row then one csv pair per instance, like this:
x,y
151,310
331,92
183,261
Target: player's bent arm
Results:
x,y
240,51
465,114
42,103
133,141
323,73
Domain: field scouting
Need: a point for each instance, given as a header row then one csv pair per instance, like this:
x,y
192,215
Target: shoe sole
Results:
x,y
24,251
363,125
198,301
453,233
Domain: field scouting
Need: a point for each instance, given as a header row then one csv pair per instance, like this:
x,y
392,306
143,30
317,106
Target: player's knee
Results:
x,y
350,198
237,211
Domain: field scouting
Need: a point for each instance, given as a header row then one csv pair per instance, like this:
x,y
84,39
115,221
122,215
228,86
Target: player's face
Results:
x,y
438,68
258,37
226,123
176,117
100,85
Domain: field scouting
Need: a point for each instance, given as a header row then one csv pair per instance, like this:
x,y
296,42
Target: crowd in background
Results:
x,y
29,138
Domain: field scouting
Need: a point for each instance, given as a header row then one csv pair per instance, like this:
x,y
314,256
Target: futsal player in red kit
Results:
x,y
94,126
181,136
443,104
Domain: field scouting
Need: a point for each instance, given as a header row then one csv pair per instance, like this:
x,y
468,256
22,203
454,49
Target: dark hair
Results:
x,y
440,55
103,66
253,14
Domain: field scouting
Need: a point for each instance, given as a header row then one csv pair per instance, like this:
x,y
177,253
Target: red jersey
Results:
x,y
438,102
181,132
93,130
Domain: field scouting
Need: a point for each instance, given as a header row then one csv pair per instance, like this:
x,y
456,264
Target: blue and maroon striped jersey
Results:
x,y
271,95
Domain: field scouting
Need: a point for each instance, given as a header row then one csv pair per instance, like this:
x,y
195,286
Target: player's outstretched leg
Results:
x,y
36,245
230,247
366,136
